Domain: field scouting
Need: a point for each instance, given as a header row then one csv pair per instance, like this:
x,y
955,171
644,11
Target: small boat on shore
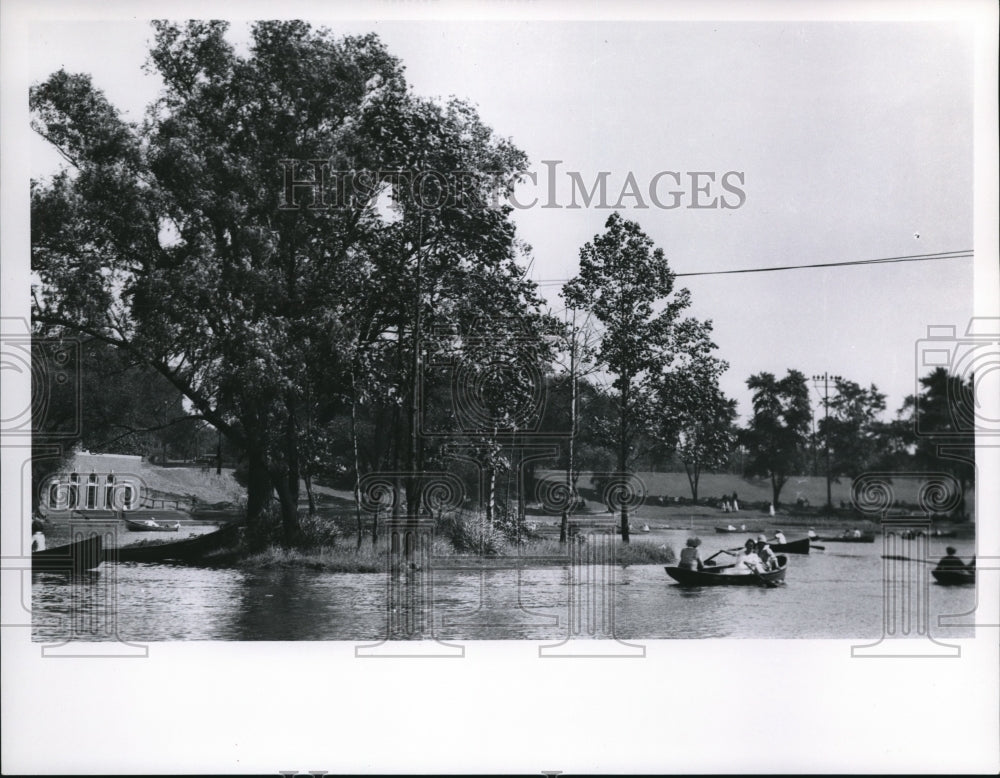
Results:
x,y
954,576
86,554
189,550
714,576
150,525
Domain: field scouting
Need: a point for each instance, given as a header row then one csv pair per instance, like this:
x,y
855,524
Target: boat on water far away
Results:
x,y
866,538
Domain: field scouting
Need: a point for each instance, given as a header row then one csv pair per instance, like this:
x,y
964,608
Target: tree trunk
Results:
x,y
623,453
490,495
777,483
258,487
292,453
309,494
357,459
693,474
288,501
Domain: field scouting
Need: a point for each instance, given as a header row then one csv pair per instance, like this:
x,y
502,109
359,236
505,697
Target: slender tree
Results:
x,y
779,429
694,420
628,286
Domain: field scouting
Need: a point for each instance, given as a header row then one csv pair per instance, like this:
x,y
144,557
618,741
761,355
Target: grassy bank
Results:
x,y
347,558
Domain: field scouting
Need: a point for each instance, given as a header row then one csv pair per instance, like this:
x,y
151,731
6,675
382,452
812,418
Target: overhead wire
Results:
x,y
963,254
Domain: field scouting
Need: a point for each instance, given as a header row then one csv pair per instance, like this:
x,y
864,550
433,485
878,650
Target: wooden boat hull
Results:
x,y
838,539
794,547
189,550
708,577
138,526
727,531
955,577
86,554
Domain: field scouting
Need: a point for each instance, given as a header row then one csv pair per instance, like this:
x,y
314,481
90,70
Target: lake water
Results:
x,y
837,593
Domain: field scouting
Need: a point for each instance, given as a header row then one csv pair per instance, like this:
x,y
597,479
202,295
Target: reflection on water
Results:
x,y
837,594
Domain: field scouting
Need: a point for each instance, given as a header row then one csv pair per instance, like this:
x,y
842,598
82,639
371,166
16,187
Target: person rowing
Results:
x,y
951,562
690,557
779,537
746,561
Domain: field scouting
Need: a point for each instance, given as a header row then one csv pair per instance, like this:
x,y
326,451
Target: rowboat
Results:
x,y
188,550
869,538
149,525
713,576
954,576
730,531
800,546
86,554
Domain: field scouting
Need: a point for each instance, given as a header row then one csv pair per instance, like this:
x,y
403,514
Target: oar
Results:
x,y
723,551
820,548
911,559
762,579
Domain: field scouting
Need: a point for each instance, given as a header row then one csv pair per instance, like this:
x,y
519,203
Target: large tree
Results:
x,y
200,244
628,287
779,428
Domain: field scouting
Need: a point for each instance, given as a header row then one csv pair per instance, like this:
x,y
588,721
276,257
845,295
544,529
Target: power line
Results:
x,y
964,254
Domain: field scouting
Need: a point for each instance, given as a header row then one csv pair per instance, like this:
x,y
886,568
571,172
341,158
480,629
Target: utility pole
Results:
x,y
825,378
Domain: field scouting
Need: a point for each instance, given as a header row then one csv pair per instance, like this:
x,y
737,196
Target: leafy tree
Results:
x,y
938,426
187,243
779,429
622,279
693,418
851,428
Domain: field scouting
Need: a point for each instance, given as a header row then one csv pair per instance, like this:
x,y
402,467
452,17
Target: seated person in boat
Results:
x,y
690,556
857,533
37,535
949,561
748,556
767,557
779,537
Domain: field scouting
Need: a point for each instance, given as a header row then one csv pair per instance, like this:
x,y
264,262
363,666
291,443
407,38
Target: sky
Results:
x,y
852,140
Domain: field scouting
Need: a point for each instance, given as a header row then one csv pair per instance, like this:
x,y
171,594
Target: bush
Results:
x,y
468,533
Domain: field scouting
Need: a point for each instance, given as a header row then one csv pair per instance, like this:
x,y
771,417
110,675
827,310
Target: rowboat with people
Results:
x,y
730,529
718,576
